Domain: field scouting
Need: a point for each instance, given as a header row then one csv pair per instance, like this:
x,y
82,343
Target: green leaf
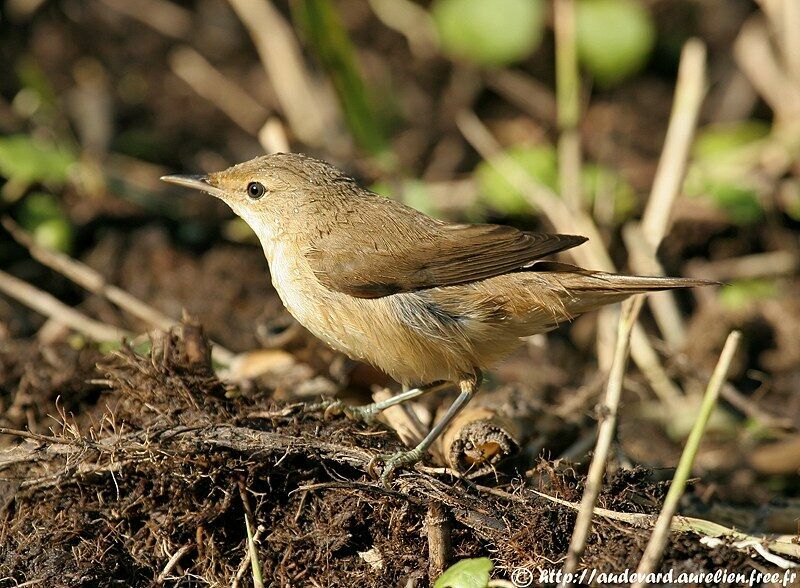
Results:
x,y
25,160
323,30
497,192
739,203
413,192
40,214
541,163
614,38
742,293
467,573
720,170
721,140
489,32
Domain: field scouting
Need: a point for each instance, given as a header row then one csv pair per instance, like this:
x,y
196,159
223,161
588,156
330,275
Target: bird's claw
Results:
x,y
334,408
391,463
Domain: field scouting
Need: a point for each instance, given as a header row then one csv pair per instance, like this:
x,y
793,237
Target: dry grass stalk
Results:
x,y
309,106
655,547
642,242
211,84
756,57
605,435
167,18
272,136
783,544
94,282
51,307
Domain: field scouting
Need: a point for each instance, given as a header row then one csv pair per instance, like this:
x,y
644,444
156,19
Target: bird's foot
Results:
x,y
366,414
391,462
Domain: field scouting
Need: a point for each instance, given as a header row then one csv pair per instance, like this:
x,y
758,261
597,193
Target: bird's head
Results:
x,y
278,195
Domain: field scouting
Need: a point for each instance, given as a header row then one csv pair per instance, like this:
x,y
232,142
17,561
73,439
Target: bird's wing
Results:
x,y
389,259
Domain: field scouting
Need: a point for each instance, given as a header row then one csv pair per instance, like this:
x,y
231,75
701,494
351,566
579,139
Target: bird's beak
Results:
x,y
197,182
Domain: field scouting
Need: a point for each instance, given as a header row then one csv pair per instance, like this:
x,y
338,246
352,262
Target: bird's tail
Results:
x,y
601,281
587,290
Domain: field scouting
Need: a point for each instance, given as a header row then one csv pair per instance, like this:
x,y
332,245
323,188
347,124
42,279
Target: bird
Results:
x,y
430,303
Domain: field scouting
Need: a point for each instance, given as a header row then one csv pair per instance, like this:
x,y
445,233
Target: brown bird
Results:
x,y
428,302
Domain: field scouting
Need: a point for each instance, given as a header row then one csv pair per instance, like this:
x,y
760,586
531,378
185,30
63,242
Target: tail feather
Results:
x,y
577,278
633,284
588,290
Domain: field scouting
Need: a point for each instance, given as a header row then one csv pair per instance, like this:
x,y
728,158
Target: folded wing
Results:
x,y
434,255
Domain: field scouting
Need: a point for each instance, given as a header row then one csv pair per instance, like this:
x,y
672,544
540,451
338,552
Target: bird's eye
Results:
x,y
255,190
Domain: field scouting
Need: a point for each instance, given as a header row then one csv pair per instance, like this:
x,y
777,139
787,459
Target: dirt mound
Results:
x,y
156,482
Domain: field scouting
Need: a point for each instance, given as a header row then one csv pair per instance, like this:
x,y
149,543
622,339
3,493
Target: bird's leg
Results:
x,y
468,386
368,412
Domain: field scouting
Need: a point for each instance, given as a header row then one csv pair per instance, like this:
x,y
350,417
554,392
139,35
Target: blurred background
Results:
x,y
548,116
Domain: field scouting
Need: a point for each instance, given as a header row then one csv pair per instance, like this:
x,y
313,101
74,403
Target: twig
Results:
x,y
94,282
524,92
167,18
411,21
689,93
255,565
309,107
211,84
758,265
439,545
35,436
605,435
51,307
655,547
568,99
592,254
643,260
173,561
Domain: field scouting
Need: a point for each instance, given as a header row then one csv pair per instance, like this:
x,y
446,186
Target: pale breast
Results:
x,y
398,334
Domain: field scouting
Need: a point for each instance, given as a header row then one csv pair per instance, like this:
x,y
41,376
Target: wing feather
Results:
x,y
392,260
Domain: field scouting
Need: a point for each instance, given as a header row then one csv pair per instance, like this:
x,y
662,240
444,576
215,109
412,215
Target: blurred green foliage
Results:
x,y
323,30
541,163
413,192
614,37
679,420
740,294
40,214
720,170
720,142
467,573
489,32
25,160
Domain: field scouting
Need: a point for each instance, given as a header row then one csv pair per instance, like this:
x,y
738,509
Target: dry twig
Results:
x,y
689,93
309,106
214,86
94,282
52,307
605,435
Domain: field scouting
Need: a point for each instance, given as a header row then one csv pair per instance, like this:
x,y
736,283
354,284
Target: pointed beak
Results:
x,y
197,182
